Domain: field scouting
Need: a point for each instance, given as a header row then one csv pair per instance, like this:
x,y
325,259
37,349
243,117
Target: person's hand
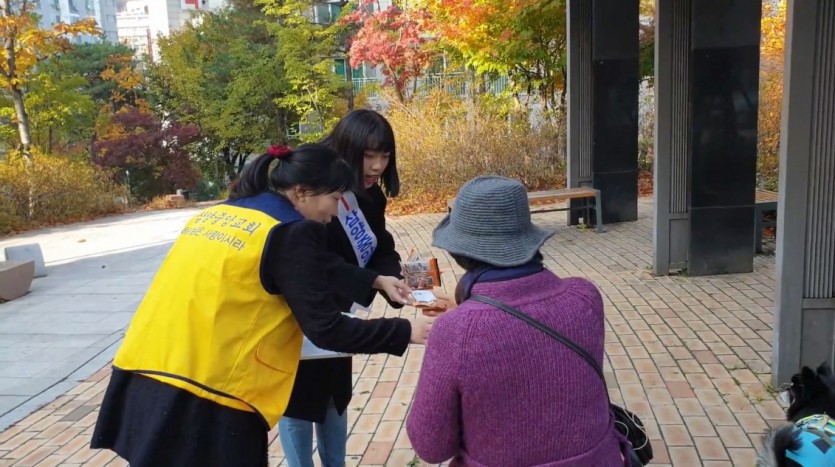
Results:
x,y
444,297
445,302
395,288
421,327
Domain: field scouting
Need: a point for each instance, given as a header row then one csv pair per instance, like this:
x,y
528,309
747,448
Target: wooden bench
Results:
x,y
764,201
15,279
566,194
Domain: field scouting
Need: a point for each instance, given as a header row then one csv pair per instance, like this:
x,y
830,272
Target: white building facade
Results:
x,y
142,22
71,11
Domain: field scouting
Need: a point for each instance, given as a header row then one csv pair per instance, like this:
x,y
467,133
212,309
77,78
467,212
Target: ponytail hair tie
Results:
x,y
279,152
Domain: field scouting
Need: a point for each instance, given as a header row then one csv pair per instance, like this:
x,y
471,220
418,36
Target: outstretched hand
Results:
x,y
396,289
421,327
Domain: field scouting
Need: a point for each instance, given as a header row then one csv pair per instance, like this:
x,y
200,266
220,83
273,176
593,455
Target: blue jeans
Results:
x,y
331,437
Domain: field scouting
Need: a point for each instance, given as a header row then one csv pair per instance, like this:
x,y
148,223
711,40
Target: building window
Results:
x,y
73,8
335,10
358,73
339,67
326,13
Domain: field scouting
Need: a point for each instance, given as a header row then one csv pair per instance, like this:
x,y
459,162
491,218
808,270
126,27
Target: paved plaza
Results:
x,y
691,356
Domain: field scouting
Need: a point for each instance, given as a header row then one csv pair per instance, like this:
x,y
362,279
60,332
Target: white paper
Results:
x,y
311,352
425,296
785,398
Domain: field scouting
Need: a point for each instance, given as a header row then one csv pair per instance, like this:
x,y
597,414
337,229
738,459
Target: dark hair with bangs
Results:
x,y
361,130
314,167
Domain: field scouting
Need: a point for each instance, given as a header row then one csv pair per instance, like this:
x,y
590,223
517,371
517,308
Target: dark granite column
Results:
x,y
724,73
615,111
603,104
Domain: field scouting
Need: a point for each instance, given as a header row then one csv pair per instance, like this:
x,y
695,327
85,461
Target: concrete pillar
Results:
x,y
603,104
707,78
805,299
671,202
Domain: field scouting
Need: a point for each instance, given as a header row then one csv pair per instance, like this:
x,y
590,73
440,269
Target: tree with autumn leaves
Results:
x,y
395,38
254,73
63,105
771,92
524,40
25,45
155,153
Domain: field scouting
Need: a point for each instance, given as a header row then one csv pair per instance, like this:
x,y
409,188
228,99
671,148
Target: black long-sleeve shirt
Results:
x,y
322,380
306,274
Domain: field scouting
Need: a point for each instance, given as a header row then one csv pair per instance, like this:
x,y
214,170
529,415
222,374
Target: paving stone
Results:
x,y
691,356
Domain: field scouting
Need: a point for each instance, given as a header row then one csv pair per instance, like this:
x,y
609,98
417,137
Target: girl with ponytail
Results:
x,y
207,365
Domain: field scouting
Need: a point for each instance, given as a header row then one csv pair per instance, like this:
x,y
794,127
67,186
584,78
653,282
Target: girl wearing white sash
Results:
x,y
323,387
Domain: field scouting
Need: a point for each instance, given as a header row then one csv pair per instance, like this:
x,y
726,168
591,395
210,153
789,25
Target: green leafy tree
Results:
x,y
306,52
67,90
91,61
221,74
61,114
646,40
246,76
522,39
25,46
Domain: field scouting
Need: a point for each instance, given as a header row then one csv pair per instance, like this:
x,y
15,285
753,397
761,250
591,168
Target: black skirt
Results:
x,y
150,423
317,383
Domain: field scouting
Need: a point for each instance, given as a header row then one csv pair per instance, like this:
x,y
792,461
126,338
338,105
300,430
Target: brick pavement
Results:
x,y
689,355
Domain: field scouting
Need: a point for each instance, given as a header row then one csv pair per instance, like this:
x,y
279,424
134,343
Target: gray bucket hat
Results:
x,y
491,222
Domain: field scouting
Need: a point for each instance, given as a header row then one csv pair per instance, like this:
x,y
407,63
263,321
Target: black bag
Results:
x,y
626,422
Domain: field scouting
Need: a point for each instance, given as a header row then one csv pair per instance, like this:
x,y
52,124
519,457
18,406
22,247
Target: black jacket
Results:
x,y
317,381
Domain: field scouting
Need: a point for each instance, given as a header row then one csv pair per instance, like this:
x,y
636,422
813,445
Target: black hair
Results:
x,y
475,269
361,130
469,264
314,167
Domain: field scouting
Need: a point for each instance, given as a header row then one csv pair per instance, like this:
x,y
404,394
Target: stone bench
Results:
x,y
566,194
31,251
15,279
764,201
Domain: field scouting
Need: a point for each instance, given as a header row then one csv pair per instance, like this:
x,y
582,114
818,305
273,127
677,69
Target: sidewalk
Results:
x,y
697,348
66,328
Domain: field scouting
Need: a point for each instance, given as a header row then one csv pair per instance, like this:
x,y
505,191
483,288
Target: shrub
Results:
x,y
62,190
207,190
163,202
771,94
8,220
156,153
443,141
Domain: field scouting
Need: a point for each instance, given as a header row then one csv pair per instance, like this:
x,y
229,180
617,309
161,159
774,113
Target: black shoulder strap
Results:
x,y
542,327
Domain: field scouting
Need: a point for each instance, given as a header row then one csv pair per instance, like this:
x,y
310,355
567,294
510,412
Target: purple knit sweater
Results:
x,y
494,391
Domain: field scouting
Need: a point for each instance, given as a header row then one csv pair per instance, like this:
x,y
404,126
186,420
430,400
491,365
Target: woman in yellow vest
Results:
x,y
208,363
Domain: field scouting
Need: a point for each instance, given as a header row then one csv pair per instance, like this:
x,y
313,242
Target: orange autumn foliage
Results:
x,y
771,92
24,46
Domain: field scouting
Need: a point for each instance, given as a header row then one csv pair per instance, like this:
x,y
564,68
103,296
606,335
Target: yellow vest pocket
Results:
x,y
276,357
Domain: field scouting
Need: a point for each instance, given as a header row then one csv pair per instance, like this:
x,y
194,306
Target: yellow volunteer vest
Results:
x,y
207,325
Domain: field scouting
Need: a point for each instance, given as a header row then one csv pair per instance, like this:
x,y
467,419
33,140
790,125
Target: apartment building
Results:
x,y
70,11
141,22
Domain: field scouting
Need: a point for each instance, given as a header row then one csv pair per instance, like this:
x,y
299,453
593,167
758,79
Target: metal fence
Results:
x,y
452,83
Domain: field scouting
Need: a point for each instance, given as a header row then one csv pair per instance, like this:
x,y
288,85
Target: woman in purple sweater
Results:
x,y
493,390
